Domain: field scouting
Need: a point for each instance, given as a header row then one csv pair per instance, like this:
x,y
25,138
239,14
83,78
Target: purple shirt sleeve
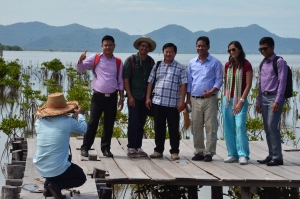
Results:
x,y
86,64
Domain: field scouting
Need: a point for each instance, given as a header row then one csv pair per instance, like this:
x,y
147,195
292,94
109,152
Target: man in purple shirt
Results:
x,y
270,99
106,83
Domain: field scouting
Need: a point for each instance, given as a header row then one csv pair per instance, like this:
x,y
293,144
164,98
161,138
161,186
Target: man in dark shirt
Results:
x,y
137,69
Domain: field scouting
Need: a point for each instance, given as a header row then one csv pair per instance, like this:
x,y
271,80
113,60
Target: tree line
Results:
x,y
6,47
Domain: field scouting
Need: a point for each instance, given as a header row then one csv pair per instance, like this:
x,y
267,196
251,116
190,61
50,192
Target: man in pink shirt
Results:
x,y
106,83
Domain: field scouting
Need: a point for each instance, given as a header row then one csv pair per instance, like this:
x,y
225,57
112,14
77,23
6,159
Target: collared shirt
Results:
x,y
204,75
268,80
138,77
169,78
106,71
53,138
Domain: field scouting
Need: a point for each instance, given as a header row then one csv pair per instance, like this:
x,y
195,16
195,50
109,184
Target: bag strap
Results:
x,y
156,67
275,67
97,59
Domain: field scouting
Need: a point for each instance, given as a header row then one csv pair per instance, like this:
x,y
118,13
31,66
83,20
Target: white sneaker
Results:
x,y
131,153
141,153
230,159
243,160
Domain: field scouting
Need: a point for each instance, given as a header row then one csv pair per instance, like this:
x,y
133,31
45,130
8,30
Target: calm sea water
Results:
x,y
35,58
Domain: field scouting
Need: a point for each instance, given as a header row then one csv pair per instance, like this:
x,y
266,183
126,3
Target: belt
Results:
x,y
201,97
105,94
268,93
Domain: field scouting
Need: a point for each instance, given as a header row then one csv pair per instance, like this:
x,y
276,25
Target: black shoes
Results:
x,y
84,153
198,157
268,159
107,153
275,163
207,158
54,189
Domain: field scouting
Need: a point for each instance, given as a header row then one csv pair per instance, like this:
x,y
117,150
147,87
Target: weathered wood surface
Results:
x,y
31,176
142,170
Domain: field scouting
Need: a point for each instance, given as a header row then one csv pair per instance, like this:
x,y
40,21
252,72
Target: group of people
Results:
x,y
166,87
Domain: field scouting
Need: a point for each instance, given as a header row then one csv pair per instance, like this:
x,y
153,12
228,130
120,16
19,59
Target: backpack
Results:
x,y
97,59
132,61
289,80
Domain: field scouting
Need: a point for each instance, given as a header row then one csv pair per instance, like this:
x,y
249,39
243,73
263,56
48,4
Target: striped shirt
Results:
x,y
169,78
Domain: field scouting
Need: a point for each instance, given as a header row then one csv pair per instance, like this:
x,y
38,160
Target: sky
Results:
x,y
139,17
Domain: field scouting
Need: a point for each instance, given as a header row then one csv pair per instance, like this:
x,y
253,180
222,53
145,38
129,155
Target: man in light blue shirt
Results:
x,y
53,128
205,77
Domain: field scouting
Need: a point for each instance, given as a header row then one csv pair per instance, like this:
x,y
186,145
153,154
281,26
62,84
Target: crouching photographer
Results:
x,y
53,128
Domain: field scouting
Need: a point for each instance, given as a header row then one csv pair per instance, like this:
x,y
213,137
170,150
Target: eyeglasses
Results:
x,y
231,50
263,49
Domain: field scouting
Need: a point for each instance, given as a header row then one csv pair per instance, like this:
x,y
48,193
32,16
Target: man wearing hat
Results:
x,y
53,128
137,69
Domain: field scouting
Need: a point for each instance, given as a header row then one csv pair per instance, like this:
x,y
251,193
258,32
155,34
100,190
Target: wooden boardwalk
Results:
x,y
143,170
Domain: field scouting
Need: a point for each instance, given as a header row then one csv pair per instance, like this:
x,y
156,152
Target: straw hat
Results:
x,y
146,39
56,105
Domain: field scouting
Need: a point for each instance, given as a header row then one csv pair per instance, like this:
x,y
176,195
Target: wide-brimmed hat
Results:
x,y
146,39
56,105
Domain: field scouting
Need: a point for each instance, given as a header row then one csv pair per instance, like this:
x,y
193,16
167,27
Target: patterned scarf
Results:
x,y
237,86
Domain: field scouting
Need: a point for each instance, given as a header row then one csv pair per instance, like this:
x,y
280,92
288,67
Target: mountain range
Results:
x,y
75,37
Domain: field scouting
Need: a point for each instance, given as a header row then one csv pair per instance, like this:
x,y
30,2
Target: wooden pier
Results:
x,y
143,170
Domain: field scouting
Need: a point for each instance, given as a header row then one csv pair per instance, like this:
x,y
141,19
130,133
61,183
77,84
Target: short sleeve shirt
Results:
x,y
169,78
138,75
247,67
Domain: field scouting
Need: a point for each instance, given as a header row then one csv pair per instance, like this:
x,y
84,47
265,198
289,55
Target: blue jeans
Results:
x,y
235,130
136,122
271,120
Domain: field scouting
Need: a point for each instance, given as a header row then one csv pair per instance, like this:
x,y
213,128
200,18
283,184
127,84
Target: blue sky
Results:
x,y
280,17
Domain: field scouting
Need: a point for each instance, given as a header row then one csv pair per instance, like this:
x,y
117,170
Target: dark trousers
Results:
x,y
161,114
136,120
72,177
99,104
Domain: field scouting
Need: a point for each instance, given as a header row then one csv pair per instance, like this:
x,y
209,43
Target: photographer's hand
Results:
x,y
78,110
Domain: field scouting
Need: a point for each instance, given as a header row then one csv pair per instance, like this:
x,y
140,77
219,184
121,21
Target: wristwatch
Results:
x,y
123,99
242,100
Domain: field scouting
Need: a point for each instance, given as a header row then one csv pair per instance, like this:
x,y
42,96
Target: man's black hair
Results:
x,y
108,37
167,45
267,40
203,38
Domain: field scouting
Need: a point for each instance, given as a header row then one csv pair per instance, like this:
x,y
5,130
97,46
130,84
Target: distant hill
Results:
x,y
75,37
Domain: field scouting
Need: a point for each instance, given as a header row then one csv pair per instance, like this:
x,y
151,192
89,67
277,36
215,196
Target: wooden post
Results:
x,y
10,192
245,192
192,192
17,155
14,182
1,53
105,192
15,171
216,192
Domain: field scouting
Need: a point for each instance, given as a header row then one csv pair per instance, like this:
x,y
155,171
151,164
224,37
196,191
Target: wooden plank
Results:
x,y
257,153
88,189
292,157
147,166
187,167
214,168
255,170
165,164
132,171
30,173
114,171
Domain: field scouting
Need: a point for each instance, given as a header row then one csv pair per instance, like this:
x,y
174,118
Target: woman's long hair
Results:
x,y
242,56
